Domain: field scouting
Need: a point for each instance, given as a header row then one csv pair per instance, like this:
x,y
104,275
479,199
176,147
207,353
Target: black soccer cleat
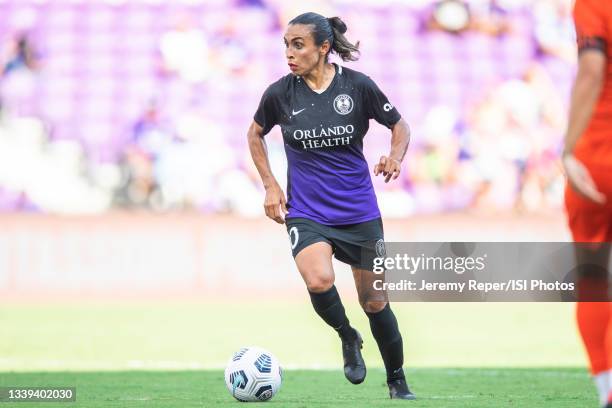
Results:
x,y
354,366
398,389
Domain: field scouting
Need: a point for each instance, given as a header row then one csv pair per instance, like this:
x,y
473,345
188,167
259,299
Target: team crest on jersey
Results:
x,y
343,104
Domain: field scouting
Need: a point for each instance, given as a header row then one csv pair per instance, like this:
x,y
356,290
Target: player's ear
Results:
x,y
324,48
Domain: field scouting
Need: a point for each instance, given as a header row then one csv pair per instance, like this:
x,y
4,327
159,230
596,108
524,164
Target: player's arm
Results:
x,y
588,85
390,166
587,88
275,201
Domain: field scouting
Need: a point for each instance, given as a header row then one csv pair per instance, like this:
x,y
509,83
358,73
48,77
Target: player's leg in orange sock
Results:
x,y
593,320
594,314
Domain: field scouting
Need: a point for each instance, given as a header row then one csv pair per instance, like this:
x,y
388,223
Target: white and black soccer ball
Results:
x,y
253,374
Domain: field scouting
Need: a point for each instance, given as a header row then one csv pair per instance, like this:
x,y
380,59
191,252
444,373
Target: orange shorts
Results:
x,y
589,221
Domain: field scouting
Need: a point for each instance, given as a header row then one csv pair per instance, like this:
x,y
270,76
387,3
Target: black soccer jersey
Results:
x,y
328,178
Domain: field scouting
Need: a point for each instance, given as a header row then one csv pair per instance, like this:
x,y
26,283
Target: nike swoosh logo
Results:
x,y
298,112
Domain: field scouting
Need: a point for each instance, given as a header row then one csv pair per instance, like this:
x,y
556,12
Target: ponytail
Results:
x,y
341,46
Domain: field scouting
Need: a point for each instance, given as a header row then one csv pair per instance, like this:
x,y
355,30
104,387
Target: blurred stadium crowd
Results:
x,y
145,104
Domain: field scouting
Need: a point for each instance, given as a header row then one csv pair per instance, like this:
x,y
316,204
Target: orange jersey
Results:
x,y
594,30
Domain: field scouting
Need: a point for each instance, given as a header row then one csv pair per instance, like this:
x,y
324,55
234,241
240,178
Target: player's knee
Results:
x,y
319,284
372,306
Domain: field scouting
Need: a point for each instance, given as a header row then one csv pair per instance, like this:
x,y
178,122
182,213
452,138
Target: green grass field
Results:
x,y
533,388
171,354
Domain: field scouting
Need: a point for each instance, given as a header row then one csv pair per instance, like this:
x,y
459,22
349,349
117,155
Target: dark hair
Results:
x,y
331,29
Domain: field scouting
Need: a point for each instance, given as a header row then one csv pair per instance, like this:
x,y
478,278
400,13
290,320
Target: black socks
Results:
x,y
386,332
383,324
329,306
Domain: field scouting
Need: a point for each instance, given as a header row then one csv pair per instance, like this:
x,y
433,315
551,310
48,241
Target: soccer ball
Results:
x,y
253,374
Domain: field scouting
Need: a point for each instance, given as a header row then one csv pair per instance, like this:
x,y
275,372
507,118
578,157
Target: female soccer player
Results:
x,y
324,110
587,159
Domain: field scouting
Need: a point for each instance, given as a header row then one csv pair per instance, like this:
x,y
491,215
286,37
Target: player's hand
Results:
x,y
275,203
580,179
389,167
